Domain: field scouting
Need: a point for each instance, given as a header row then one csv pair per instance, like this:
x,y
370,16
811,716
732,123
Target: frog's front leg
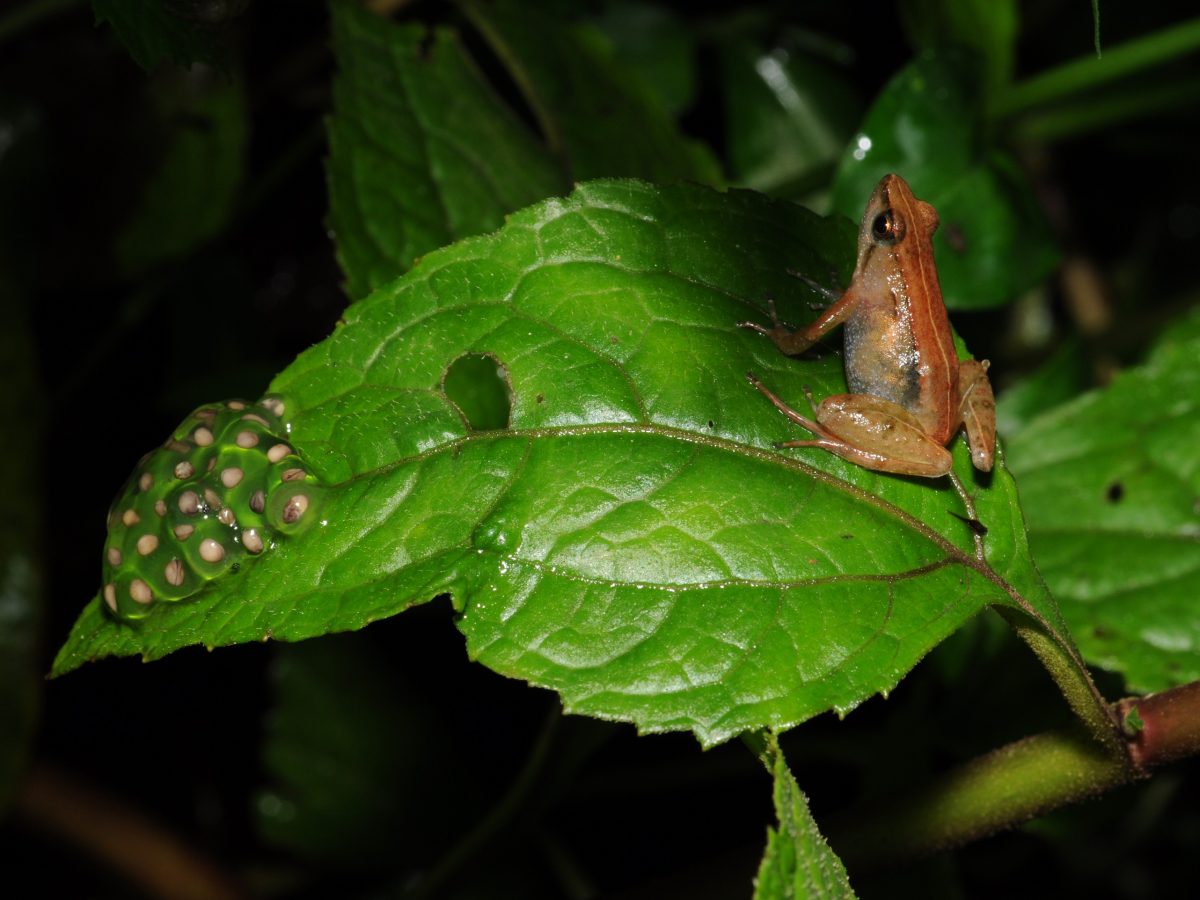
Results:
x,y
791,342
977,408
868,431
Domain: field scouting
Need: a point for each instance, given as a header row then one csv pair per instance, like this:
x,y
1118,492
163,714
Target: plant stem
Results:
x,y
1019,782
156,861
1084,115
1088,72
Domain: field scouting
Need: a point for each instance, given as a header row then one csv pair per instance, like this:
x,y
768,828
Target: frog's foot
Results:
x,y
789,341
805,423
776,325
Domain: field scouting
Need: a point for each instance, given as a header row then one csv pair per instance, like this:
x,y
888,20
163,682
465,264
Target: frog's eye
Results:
x,y
224,489
888,228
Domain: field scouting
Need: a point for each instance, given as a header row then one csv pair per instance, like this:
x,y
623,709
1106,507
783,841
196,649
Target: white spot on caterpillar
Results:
x,y
247,439
211,498
146,481
160,507
236,404
258,501
275,405
293,475
147,544
226,517
183,532
189,503
130,518
184,470
278,452
231,476
174,572
202,436
110,596
254,417
114,556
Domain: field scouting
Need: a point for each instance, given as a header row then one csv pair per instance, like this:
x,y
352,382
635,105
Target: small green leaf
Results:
x,y
1133,722
1110,484
632,539
993,242
797,864
592,110
422,151
194,190
154,31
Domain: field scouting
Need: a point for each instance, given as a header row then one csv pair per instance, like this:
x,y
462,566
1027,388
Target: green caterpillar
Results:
x,y
223,489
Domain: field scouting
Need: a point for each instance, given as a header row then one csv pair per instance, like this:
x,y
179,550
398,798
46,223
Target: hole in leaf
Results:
x,y
478,385
1116,491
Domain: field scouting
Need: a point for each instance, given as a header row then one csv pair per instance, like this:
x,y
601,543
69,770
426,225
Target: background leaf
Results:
x,y
192,194
595,546
790,116
1110,483
657,44
987,27
154,32
593,112
421,150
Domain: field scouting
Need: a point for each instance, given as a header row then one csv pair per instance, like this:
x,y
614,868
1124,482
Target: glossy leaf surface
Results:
x,y
631,540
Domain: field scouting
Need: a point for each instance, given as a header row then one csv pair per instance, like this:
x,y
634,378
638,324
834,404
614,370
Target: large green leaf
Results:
x,y
631,540
1110,482
994,242
797,864
422,151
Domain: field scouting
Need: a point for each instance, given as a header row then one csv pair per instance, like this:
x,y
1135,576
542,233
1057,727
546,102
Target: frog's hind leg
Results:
x,y
868,431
